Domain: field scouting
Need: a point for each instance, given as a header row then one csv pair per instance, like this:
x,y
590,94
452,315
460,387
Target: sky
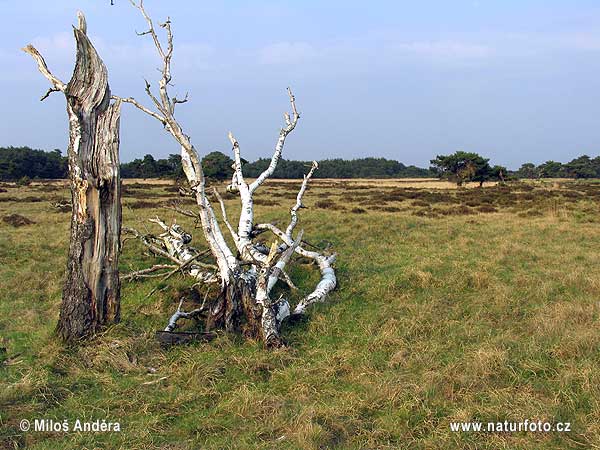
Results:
x,y
514,80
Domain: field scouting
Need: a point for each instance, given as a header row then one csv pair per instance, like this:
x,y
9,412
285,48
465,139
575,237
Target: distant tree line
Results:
x,y
218,165
23,162
340,168
582,167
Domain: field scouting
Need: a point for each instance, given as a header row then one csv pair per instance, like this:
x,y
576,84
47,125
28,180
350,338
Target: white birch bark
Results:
x,y
247,278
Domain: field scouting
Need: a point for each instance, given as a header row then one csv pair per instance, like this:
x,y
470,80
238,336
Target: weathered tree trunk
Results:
x,y
92,288
91,294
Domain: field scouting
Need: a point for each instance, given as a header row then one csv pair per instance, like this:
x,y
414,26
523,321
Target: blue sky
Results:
x,y
516,81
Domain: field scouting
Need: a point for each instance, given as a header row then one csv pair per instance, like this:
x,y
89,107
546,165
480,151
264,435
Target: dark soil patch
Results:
x,y
325,204
572,194
357,188
330,205
139,194
530,213
142,204
48,188
425,213
266,202
460,210
487,209
285,194
29,199
143,185
17,220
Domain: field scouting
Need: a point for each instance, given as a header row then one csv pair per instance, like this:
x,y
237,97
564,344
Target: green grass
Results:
x,y
437,318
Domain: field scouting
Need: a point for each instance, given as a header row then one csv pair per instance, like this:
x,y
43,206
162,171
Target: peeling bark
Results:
x,y
174,244
91,294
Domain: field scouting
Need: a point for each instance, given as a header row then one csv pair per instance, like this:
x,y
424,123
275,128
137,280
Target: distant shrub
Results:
x,y
23,181
325,204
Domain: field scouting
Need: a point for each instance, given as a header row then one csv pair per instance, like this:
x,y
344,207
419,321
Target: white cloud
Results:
x,y
286,53
194,55
581,41
59,42
445,50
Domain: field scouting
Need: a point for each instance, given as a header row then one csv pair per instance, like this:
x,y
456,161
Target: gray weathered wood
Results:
x,y
91,293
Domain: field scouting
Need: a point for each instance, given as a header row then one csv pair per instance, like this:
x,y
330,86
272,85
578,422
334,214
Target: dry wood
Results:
x,y
91,294
249,271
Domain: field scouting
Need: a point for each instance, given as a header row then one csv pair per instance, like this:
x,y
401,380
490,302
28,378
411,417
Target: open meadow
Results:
x,y
478,304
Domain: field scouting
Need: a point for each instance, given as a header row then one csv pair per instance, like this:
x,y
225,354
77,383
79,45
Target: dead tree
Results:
x,y
173,244
91,294
248,272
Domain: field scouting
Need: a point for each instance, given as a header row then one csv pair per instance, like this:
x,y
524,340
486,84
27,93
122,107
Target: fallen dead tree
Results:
x,y
247,272
173,244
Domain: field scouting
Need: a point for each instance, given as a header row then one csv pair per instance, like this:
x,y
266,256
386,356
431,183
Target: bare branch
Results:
x,y
57,85
328,279
184,212
178,101
48,92
171,245
291,124
189,157
234,235
184,100
150,31
277,270
156,102
298,205
148,273
141,107
237,164
179,314
286,278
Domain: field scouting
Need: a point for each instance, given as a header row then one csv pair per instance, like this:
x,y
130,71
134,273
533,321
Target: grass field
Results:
x,y
453,305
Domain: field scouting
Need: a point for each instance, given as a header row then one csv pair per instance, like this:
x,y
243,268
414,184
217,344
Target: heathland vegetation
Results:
x,y
453,305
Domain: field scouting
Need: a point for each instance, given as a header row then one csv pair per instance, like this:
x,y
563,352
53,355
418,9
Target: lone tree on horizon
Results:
x,y
462,167
91,293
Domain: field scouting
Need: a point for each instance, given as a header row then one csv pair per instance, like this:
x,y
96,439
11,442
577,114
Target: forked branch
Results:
x,y
290,125
248,276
